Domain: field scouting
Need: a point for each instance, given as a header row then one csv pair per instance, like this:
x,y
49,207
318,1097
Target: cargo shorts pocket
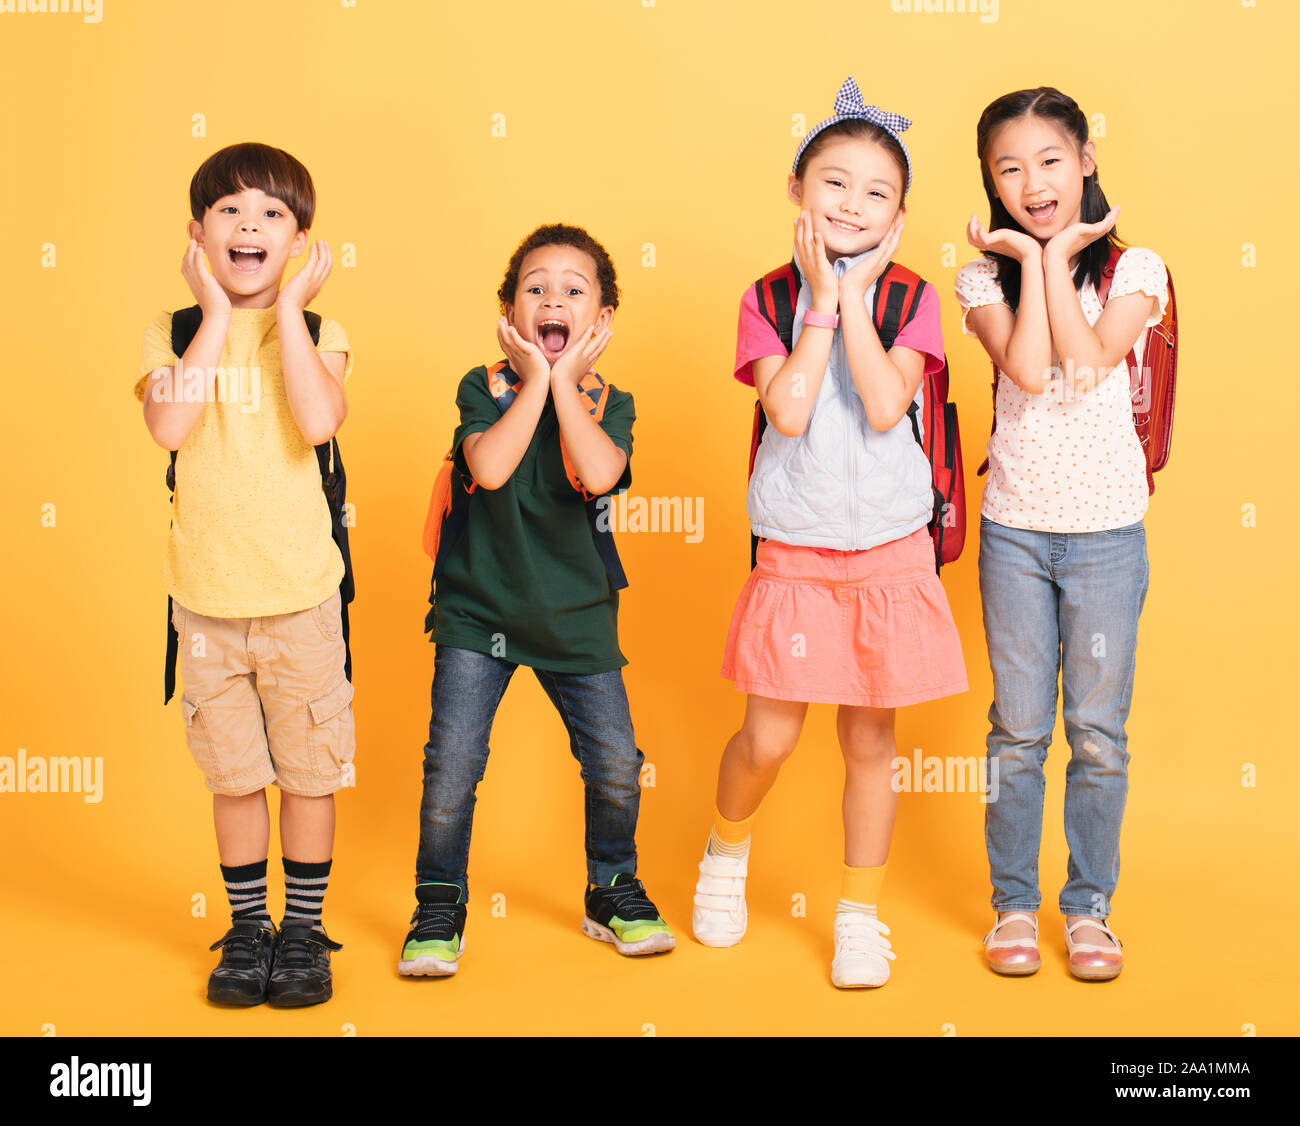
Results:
x,y
331,738
198,738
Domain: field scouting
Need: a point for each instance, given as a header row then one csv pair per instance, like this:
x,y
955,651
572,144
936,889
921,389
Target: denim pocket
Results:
x,y
1122,533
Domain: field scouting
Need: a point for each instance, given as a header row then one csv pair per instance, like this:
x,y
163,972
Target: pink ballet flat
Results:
x,y
1015,957
1090,961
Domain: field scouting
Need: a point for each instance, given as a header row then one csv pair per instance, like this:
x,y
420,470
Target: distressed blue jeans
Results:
x,y
467,688
1067,604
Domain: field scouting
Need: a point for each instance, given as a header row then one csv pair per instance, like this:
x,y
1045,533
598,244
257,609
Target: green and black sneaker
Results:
x,y
623,914
437,936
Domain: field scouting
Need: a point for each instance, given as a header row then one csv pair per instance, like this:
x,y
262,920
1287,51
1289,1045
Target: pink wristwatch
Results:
x,y
821,320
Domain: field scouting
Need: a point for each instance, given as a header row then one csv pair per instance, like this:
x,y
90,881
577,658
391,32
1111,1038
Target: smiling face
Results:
x,y
852,188
249,238
558,298
1038,172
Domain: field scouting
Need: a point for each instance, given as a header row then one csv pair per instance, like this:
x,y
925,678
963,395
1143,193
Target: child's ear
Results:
x,y
1088,157
603,319
794,190
510,314
195,230
299,243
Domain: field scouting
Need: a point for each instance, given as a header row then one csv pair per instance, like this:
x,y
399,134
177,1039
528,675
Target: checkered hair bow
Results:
x,y
849,106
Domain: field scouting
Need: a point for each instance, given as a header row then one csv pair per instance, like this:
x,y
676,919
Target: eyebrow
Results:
x,y
542,270
845,171
1045,148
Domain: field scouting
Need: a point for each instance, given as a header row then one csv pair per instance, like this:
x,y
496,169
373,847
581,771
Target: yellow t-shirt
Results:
x,y
250,532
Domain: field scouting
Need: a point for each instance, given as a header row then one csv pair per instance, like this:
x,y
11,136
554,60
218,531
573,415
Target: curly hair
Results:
x,y
559,234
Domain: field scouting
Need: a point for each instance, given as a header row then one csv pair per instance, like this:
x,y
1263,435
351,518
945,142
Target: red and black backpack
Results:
x,y
897,297
1151,387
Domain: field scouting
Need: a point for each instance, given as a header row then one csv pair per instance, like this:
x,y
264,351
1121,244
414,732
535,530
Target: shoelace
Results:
x,y
241,945
630,901
434,921
856,933
296,944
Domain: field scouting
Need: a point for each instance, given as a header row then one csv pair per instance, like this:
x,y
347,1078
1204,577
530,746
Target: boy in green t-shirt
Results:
x,y
526,582
252,568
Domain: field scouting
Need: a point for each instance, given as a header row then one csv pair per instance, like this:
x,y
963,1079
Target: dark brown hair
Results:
x,y
859,129
1050,104
558,234
252,165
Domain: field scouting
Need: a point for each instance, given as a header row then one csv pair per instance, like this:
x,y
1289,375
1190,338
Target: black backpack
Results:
x,y
334,482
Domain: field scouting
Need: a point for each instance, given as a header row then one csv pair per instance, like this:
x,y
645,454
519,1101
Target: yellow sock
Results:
x,y
730,838
862,885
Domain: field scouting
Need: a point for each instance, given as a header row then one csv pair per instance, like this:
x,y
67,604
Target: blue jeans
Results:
x,y
1068,603
467,688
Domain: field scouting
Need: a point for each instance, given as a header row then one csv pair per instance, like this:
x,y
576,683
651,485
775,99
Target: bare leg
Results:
x,y
755,753
867,743
243,828
307,827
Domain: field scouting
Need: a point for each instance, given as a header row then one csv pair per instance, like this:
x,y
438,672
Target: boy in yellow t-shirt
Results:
x,y
252,568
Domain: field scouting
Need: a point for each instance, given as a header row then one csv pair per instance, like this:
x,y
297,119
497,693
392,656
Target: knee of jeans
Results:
x,y
1095,751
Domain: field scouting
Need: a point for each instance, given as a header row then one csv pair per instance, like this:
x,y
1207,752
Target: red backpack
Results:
x,y
1151,387
898,293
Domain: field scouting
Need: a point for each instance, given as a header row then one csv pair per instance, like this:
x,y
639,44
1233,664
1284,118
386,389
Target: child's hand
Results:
x,y
1012,244
207,291
810,250
1077,236
581,358
858,279
306,283
526,360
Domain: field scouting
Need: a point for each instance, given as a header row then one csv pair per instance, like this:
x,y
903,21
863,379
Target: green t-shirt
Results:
x,y
524,581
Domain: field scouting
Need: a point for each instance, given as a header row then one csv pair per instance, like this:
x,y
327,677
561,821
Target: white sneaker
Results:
x,y
861,950
720,916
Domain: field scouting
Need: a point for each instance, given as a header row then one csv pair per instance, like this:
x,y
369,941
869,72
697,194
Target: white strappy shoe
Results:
x,y
1014,957
1090,961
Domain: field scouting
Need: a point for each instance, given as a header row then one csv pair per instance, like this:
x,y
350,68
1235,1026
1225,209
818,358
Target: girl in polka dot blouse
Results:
x,y
1063,562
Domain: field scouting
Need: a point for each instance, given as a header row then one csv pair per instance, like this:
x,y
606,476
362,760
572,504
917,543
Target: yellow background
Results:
x,y
668,124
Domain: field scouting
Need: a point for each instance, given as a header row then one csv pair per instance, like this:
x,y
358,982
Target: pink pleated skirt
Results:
x,y
865,628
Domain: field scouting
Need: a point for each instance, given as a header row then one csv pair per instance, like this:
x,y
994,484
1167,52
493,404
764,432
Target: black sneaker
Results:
x,y
623,914
437,935
301,975
246,952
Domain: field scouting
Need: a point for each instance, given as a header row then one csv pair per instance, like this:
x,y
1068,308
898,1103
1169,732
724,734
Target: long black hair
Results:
x,y
1046,102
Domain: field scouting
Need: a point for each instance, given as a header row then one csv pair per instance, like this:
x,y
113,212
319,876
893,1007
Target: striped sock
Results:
x,y
304,889
730,838
246,890
860,889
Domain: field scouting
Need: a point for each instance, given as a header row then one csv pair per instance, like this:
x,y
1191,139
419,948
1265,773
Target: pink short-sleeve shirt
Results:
x,y
1064,461
756,338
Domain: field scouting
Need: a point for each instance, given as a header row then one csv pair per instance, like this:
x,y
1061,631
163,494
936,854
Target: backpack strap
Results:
x,y
185,325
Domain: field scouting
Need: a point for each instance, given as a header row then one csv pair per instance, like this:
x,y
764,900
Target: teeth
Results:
x,y
248,249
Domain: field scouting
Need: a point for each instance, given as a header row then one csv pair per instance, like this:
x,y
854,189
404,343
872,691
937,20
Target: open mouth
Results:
x,y
552,337
1042,212
839,224
247,259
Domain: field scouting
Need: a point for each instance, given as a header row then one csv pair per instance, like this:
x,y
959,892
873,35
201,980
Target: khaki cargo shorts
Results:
x,y
266,700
